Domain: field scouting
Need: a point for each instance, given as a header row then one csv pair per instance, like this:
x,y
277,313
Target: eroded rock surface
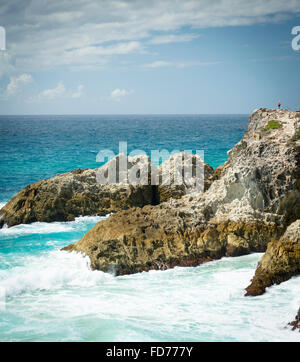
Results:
x,y
254,197
280,262
177,180
75,193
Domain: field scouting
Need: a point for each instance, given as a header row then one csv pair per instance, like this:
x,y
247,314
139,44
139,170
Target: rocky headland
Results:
x,y
249,204
253,199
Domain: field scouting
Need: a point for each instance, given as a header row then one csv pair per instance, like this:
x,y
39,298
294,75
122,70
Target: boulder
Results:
x,y
280,262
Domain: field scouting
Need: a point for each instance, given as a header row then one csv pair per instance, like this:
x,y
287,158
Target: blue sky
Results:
x,y
155,56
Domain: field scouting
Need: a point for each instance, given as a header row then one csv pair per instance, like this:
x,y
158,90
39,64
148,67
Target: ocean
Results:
x,y
50,295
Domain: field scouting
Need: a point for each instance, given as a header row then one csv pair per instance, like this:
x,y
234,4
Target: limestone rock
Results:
x,y
159,237
252,200
183,174
75,193
280,262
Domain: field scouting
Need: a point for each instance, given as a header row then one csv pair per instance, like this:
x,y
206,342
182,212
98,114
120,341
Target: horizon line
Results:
x,y
124,114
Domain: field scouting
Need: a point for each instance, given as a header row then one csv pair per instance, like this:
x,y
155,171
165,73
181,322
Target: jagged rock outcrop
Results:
x,y
296,323
162,237
75,193
176,181
280,262
254,197
68,195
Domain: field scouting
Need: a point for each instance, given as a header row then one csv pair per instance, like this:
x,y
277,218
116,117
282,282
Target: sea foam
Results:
x,y
54,295
53,271
49,228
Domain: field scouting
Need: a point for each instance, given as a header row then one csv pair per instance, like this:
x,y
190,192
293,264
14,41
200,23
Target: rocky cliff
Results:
x,y
254,197
75,193
280,262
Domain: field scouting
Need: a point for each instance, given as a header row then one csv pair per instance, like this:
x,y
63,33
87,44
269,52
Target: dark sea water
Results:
x,y
50,295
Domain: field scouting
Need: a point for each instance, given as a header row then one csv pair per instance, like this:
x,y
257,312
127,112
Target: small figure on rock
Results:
x,y
279,105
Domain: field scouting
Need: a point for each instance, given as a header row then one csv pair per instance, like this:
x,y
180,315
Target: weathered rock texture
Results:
x,y
280,262
296,323
254,197
176,181
75,193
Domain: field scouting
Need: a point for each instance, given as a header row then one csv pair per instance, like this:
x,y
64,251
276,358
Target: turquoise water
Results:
x,y
50,295
35,147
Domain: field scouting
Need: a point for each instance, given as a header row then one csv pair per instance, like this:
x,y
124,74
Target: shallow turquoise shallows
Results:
x,y
50,295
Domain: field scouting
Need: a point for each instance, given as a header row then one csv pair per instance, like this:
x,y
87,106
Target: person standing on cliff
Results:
x,y
279,104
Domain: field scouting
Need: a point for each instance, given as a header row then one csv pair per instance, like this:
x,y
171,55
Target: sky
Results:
x,y
148,56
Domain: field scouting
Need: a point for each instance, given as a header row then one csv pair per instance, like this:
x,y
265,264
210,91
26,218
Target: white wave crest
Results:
x,y
49,228
55,270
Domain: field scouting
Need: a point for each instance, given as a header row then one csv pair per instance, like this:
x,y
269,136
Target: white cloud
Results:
x,y
173,38
57,92
120,48
60,91
158,64
16,83
6,66
271,59
118,93
48,34
162,63
79,92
